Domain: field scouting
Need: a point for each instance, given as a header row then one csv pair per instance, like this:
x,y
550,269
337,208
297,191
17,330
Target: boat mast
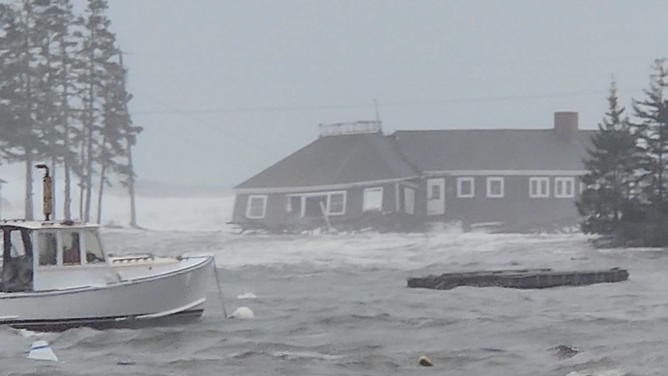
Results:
x,y
46,192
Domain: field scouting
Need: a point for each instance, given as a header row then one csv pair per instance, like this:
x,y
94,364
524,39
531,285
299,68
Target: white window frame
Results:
x,y
365,207
538,181
563,181
264,206
329,201
492,179
459,187
329,195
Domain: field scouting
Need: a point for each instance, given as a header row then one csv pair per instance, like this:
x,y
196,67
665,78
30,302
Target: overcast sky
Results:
x,y
226,88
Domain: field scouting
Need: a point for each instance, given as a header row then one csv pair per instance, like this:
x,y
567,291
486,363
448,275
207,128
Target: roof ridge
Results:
x,y
483,130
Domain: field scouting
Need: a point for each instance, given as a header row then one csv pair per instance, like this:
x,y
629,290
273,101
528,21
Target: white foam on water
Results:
x,y
170,215
248,295
608,372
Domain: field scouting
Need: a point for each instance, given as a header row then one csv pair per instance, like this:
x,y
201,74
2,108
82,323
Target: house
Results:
x,y
354,173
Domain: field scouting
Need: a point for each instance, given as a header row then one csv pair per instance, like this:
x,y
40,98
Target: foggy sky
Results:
x,y
430,64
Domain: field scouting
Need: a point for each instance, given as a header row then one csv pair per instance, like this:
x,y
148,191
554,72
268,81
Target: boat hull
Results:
x,y
171,297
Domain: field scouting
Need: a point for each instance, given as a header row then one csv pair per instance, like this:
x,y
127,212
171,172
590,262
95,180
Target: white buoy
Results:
x,y
243,313
248,295
41,350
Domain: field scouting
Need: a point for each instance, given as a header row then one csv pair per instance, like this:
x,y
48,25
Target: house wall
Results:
x,y
277,215
515,207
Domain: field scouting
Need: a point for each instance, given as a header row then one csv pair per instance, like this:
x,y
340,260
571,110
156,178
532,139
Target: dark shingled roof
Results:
x,y
335,160
493,149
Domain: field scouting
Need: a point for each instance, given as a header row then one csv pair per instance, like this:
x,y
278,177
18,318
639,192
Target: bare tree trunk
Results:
x,y
67,203
89,171
131,189
82,182
100,193
67,209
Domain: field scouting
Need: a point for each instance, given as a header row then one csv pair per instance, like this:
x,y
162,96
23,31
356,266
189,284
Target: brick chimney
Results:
x,y
566,125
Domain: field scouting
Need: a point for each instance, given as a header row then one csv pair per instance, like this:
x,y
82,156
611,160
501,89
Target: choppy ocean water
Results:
x,y
339,305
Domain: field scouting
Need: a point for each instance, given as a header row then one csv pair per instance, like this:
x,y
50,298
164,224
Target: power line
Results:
x,y
386,105
174,110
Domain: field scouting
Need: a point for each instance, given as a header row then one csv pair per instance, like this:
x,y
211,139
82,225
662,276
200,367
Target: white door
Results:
x,y
436,196
409,200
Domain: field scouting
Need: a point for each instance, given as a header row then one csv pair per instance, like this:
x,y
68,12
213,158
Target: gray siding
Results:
x,y
276,214
516,207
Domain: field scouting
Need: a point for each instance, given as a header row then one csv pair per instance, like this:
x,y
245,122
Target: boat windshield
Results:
x,y
94,252
48,248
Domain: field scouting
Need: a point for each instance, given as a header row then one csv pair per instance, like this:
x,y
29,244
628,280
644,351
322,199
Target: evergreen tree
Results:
x,y
111,131
56,68
652,131
19,48
130,132
609,182
97,52
63,96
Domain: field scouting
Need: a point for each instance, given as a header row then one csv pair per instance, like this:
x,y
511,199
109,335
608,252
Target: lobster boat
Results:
x,y
56,275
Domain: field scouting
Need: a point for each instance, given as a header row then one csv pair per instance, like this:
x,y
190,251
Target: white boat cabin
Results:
x,y
40,256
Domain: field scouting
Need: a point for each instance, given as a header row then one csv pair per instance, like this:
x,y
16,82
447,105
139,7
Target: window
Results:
x,y
564,187
93,247
373,199
257,206
71,248
495,187
409,200
539,187
336,203
435,192
18,242
48,248
465,187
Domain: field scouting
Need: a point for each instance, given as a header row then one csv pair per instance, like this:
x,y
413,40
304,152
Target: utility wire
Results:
x,y
174,110
386,105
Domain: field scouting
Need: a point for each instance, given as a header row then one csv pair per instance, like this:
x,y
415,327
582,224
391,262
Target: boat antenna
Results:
x,y
46,191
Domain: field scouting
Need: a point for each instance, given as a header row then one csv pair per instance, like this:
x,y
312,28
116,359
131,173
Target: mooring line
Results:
x,y
220,292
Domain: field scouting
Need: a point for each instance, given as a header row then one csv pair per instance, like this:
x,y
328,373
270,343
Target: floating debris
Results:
x,y
565,352
425,361
40,350
519,279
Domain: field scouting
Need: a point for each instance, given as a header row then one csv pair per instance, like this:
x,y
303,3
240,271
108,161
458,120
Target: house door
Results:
x,y
436,196
409,200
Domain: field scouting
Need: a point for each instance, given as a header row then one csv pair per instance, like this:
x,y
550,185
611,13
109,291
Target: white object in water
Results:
x,y
41,350
243,313
248,295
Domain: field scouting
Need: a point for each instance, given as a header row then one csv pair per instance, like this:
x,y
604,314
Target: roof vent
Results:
x,y
358,127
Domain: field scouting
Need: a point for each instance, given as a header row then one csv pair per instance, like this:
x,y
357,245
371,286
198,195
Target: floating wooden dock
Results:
x,y
519,279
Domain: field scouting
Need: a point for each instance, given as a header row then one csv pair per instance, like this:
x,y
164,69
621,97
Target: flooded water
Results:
x,y
339,305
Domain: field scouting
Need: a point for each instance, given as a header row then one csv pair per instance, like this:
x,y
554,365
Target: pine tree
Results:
x,y
20,76
610,178
652,131
131,132
54,21
111,131
97,51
